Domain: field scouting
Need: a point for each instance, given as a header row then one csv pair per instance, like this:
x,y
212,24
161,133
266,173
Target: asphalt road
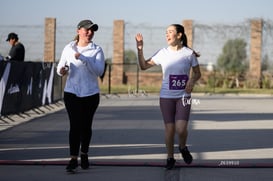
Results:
x,y
230,137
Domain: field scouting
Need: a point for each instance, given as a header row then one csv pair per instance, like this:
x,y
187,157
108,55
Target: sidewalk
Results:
x,y
9,121
230,138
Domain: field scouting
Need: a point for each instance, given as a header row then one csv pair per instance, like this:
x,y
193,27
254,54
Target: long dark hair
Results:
x,y
180,29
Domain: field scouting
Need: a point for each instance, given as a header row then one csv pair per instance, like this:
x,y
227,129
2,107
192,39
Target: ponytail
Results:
x,y
76,38
184,40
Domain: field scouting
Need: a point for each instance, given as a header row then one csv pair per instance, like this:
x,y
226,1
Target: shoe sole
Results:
x,y
85,168
71,171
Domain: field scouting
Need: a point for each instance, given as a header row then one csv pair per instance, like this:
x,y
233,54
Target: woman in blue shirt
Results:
x,y
83,62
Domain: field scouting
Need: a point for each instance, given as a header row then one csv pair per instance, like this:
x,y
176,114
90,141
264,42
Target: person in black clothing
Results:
x,y
17,51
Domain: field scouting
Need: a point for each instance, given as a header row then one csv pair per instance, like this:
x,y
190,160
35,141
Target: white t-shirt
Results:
x,y
176,66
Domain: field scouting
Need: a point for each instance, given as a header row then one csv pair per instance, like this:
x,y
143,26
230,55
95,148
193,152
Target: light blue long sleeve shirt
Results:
x,y
83,72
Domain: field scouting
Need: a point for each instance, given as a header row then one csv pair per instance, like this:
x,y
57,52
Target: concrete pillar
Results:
x,y
49,39
118,53
256,52
188,26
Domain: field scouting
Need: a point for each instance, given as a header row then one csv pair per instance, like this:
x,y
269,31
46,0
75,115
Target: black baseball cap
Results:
x,y
12,36
88,24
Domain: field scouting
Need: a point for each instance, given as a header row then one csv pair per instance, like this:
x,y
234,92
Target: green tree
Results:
x,y
130,56
130,60
233,57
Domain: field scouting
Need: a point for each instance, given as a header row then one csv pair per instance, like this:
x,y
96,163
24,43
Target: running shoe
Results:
x,y
186,155
84,161
170,163
72,165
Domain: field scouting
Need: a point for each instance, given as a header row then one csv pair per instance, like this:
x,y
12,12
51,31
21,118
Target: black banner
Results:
x,y
25,85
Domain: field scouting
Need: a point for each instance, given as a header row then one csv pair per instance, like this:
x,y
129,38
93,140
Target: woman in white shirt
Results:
x,y
176,61
83,61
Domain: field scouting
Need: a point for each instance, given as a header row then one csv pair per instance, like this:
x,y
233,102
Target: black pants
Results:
x,y
81,111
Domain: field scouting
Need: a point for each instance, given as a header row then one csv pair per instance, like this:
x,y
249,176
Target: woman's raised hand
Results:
x,y
139,41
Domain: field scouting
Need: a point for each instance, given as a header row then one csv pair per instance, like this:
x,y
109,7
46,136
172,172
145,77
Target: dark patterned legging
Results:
x,y
80,111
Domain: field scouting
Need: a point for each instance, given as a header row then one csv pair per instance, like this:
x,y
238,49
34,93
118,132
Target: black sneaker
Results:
x,y
72,165
170,163
84,161
186,155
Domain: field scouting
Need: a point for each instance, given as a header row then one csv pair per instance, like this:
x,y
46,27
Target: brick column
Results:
x,y
255,52
49,39
188,25
118,52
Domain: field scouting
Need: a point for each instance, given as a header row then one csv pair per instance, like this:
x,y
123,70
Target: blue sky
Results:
x,y
152,12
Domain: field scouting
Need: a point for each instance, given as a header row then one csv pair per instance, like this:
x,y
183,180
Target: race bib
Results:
x,y
177,82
